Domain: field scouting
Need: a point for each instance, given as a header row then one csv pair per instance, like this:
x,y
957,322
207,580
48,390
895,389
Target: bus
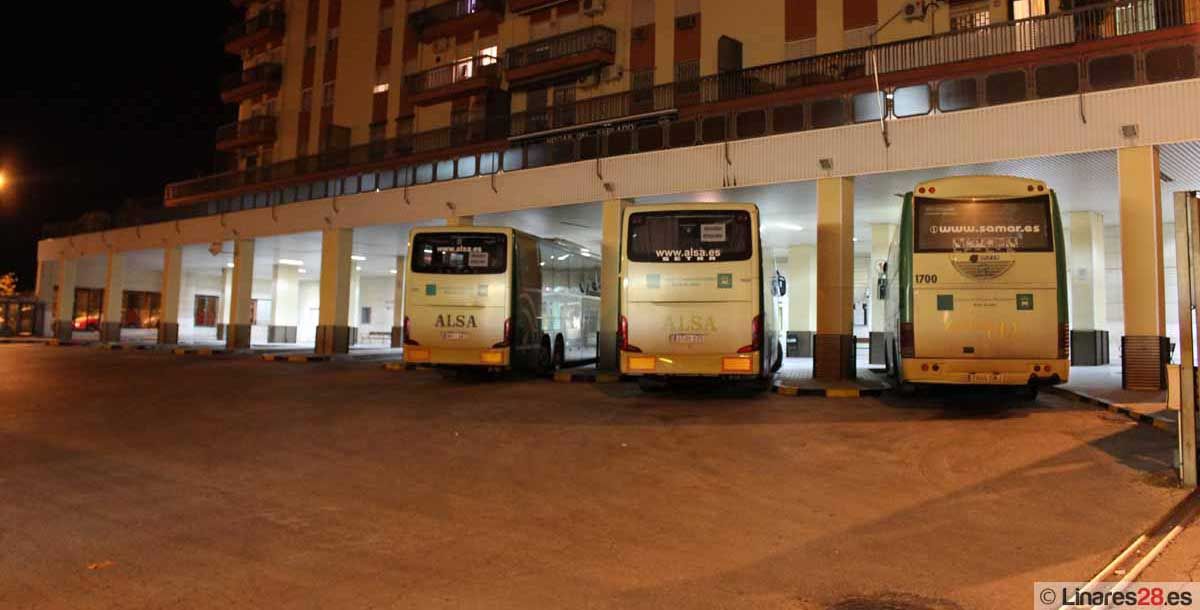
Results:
x,y
499,299
697,294
976,285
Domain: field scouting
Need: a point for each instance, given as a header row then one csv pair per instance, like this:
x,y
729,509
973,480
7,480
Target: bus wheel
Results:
x,y
906,389
560,352
1029,392
545,362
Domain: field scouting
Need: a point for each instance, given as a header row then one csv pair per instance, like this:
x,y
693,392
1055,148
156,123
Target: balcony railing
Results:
x,y
483,67
453,11
250,82
595,110
263,26
824,91
595,38
476,132
252,131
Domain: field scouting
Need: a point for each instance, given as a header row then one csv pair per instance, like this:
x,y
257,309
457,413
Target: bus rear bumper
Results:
x,y
691,365
457,356
985,371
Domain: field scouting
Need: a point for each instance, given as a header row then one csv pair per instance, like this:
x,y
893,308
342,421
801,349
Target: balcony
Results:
x,y
624,107
526,6
456,16
560,56
251,132
263,28
263,78
463,77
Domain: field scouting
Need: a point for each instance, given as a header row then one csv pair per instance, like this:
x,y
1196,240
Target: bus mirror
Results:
x,y
882,288
780,285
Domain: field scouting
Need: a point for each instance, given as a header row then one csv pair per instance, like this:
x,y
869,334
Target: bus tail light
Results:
x,y
1064,341
623,336
406,332
756,336
906,340
507,341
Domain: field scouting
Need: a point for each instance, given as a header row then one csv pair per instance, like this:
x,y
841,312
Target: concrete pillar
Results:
x,y
1143,346
398,305
834,354
460,221
1089,309
285,304
114,292
355,302
830,35
172,284
237,333
224,301
333,319
610,263
44,291
881,243
64,300
801,273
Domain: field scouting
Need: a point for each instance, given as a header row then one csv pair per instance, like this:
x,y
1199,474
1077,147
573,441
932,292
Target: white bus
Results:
x,y
696,293
976,285
499,298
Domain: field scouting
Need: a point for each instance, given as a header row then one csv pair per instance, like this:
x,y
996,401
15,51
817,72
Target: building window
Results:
x,y
968,16
381,88
489,56
378,132
385,18
205,312
306,100
327,95
365,316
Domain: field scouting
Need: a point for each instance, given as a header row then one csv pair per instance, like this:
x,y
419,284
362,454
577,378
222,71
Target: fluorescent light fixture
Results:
x,y
584,251
355,257
302,270
358,268
381,88
291,261
542,264
563,257
854,239
229,265
392,271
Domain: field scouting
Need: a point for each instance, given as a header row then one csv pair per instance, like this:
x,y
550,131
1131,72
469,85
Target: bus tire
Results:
x,y
545,363
560,352
1029,392
906,389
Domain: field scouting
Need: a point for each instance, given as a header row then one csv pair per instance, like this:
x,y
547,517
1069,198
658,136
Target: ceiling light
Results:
x,y
291,261
355,257
229,265
357,268
302,270
392,271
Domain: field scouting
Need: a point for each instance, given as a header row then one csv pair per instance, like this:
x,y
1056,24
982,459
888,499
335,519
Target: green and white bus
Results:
x,y
976,285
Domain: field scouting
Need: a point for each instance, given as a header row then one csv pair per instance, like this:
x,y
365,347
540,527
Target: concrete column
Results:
x,y
881,242
64,300
224,301
460,221
398,305
830,35
114,292
172,284
1142,280
355,302
834,356
333,320
610,264
1089,310
285,304
801,273
237,333
44,291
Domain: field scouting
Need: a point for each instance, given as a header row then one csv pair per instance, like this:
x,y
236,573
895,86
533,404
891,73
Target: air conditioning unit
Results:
x,y
592,8
914,11
685,22
591,79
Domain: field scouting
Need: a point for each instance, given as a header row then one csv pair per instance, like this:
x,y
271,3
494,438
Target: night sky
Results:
x,y
100,103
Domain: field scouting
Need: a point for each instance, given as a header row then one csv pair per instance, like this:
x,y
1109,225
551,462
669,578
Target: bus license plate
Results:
x,y
985,378
453,335
687,338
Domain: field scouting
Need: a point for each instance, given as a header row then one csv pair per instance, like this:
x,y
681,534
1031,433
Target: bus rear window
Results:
x,y
460,253
690,237
1004,225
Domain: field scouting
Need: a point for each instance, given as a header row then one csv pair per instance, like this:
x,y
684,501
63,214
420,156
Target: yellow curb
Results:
x,y
179,351
842,393
297,359
784,390
205,351
607,378
54,342
393,366
267,357
562,377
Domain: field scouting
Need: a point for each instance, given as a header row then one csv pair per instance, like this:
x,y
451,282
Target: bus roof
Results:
x,y
691,205
980,187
